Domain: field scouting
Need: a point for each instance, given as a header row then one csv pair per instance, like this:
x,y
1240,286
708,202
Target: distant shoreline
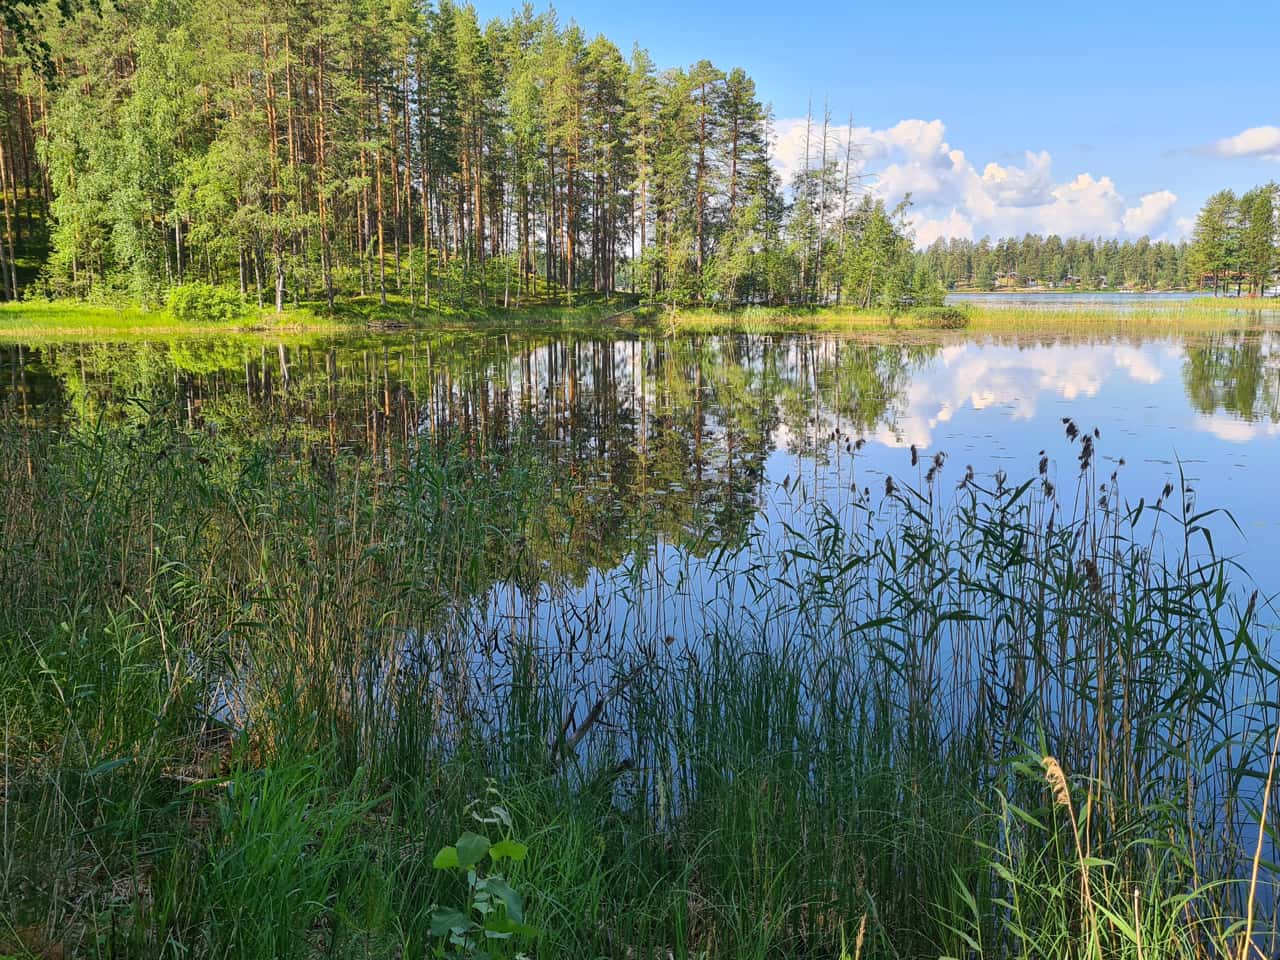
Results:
x,y
67,320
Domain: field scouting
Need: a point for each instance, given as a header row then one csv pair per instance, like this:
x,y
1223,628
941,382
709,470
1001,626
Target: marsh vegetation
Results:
x,y
280,626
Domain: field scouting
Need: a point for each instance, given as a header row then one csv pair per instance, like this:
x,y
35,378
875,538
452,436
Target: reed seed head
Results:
x,y
1057,781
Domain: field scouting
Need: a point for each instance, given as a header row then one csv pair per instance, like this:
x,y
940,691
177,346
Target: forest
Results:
x,y
1232,249
314,152
321,151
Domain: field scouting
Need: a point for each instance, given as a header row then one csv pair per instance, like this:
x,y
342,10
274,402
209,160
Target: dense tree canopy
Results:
x,y
1070,263
310,150
1235,239
314,151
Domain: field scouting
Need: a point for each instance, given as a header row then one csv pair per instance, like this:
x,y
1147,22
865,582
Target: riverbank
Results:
x,y
38,321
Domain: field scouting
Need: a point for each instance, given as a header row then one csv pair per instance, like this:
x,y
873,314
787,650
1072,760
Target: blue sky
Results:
x,y
1101,119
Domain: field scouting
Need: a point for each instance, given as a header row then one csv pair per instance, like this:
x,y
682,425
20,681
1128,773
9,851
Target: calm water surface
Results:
x,y
703,433
679,462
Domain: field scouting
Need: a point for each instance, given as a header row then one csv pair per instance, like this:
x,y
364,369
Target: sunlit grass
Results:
x,y
38,321
1162,318
43,321
249,688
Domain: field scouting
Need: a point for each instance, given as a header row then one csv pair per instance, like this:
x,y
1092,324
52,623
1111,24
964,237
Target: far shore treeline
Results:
x,y
284,153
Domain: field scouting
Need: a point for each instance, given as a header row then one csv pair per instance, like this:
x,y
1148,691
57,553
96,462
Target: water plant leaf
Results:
x,y
471,849
508,849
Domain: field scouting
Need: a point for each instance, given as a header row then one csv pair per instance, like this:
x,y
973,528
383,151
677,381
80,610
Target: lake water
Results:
x,y
681,465
703,431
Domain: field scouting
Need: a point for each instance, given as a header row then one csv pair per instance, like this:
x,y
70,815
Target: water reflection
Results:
x,y
1236,374
682,439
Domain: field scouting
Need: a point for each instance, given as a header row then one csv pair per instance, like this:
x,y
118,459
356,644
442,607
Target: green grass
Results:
x,y
1196,316
38,321
43,321
35,321
804,320
1238,303
249,690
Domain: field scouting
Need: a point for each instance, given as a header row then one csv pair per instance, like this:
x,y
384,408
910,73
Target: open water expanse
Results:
x,y
695,442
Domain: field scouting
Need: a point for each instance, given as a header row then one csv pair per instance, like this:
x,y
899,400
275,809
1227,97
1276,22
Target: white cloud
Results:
x,y
951,198
1027,186
1151,214
954,225
1235,431
1254,142
1017,379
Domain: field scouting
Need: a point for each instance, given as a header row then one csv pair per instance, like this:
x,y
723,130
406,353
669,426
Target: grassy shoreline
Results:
x,y
218,742
59,320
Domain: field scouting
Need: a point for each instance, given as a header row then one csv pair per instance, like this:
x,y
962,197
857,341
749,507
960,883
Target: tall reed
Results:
x,y
250,689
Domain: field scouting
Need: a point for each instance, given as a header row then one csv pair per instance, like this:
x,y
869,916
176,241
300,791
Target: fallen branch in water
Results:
x,y
567,743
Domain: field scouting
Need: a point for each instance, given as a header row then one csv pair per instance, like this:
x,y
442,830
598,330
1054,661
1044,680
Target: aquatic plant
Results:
x,y
250,689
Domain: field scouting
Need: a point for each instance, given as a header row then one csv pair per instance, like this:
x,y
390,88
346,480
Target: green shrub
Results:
x,y
205,303
940,318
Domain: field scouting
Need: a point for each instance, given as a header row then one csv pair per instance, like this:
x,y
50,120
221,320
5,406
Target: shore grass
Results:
x,y
1238,303
250,690
42,321
34,321
1016,318
1190,317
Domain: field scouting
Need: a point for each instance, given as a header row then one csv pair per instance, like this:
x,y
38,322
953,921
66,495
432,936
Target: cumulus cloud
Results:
x,y
951,197
1254,142
1151,214
1011,377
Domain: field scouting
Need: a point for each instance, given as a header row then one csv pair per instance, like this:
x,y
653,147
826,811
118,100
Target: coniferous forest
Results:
x,y
313,152
327,150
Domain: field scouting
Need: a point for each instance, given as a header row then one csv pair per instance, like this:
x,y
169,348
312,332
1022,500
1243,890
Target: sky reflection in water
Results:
x,y
710,426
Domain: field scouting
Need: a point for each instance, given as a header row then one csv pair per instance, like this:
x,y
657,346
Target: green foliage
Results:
x,y
940,318
456,165
235,752
489,925
280,858
1234,241
1035,261
205,303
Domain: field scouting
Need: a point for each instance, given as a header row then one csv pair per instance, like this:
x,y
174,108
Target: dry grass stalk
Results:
x,y
1247,939
1057,781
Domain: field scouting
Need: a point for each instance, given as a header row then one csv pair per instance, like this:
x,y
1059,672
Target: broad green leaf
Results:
x,y
471,849
508,849
510,898
445,922
505,926
446,859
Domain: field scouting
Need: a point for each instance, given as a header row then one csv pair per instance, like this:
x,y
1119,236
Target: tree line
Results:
x,y
312,151
1056,263
1234,248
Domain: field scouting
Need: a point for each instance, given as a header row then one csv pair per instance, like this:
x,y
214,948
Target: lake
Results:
x,y
678,570
702,433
